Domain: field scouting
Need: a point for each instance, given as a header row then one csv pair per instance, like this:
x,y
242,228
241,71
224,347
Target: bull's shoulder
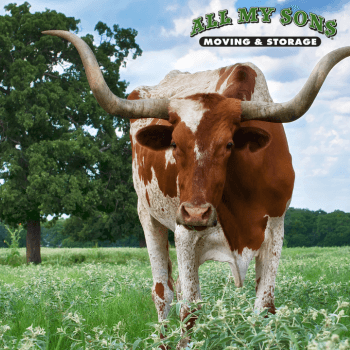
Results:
x,y
244,81
178,84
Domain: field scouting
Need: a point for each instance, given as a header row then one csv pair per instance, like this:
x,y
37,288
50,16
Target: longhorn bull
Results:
x,y
208,166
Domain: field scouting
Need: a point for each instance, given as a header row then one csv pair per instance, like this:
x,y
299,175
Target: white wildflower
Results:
x,y
327,321
342,304
4,328
39,331
75,318
323,312
345,345
219,303
312,346
329,344
61,330
335,338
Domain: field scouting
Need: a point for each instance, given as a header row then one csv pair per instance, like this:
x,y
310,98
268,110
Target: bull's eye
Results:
x,y
229,145
173,144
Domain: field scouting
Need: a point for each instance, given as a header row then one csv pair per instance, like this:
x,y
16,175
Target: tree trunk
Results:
x,y
33,242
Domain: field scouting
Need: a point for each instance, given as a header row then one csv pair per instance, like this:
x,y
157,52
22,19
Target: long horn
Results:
x,y
292,110
152,108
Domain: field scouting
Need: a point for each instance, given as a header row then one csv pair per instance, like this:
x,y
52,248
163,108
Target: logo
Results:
x,y
300,18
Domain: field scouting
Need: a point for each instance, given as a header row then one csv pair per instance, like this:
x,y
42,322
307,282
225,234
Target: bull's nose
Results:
x,y
196,215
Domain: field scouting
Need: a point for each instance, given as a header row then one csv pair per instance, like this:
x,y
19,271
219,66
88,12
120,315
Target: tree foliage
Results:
x,y
53,236
334,229
308,228
49,163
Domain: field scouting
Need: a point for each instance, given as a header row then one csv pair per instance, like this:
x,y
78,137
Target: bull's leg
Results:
x,y
156,236
266,264
178,289
188,281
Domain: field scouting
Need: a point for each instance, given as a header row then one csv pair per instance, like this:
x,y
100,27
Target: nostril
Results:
x,y
184,213
206,214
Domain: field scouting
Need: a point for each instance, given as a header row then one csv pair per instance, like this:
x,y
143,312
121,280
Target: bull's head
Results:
x,y
201,147
201,136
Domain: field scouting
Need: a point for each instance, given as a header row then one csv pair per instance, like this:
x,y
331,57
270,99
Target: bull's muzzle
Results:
x,y
196,215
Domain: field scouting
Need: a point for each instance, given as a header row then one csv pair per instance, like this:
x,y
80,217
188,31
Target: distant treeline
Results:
x,y
302,228
307,228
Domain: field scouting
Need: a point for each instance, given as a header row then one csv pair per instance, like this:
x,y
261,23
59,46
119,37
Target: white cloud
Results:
x,y
303,164
309,118
150,68
172,7
284,91
197,60
311,150
342,123
324,133
341,105
183,25
342,143
324,141
325,167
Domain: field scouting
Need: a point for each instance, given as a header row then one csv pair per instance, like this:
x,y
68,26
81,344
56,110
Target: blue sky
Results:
x,y
319,142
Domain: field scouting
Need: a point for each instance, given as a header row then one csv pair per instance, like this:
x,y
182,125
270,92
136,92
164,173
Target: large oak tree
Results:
x,y
49,163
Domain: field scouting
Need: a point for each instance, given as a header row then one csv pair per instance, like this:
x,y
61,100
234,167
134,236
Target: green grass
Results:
x,y
69,256
313,263
101,299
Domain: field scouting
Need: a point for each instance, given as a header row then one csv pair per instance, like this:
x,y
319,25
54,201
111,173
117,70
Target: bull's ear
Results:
x,y
155,137
254,138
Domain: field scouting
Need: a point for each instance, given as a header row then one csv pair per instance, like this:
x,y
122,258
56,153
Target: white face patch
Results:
x,y
137,126
169,158
199,155
190,112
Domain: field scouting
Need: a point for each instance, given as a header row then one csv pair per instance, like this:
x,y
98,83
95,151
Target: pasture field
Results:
x,y
100,298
